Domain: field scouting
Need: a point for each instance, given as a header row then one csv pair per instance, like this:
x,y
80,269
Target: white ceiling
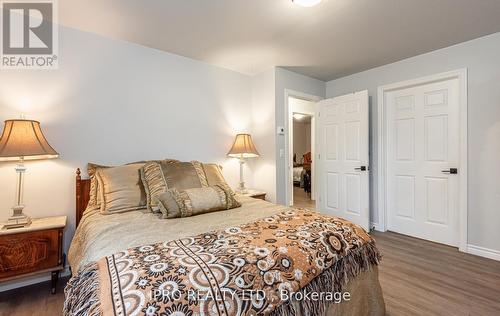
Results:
x,y
333,39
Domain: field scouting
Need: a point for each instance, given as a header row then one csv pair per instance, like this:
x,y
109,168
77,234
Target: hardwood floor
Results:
x,y
417,277
302,200
33,300
424,278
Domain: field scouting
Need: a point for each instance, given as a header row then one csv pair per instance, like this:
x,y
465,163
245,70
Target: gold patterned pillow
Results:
x,y
158,177
190,202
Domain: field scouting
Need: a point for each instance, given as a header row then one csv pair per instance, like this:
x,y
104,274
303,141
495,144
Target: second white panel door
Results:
x,y
422,157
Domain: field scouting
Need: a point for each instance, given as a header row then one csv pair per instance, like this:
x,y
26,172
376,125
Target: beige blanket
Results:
x,y
101,235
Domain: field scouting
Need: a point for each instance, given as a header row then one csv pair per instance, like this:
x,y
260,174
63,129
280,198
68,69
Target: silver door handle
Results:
x,y
362,168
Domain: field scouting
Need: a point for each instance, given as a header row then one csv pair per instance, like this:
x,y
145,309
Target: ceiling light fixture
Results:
x,y
306,3
299,116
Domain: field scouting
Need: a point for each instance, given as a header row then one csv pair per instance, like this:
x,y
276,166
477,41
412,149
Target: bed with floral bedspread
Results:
x,y
293,262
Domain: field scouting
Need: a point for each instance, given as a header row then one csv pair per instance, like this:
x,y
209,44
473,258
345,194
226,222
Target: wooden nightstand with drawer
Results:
x,y
34,249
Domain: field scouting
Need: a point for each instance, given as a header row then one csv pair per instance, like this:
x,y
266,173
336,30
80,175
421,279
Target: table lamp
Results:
x,y
23,140
243,148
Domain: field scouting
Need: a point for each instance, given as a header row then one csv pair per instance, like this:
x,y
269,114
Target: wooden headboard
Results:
x,y
82,195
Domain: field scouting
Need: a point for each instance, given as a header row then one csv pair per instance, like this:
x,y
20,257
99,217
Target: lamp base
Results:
x,y
242,190
18,219
241,187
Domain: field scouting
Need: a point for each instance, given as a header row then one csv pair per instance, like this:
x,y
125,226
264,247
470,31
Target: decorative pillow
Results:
x,y
92,169
213,173
158,177
94,196
120,189
175,203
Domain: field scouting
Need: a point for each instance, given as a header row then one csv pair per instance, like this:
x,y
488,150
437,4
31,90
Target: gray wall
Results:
x,y
286,79
482,58
264,135
113,102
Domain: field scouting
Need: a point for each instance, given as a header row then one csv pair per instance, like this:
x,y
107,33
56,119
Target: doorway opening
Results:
x,y
302,159
300,176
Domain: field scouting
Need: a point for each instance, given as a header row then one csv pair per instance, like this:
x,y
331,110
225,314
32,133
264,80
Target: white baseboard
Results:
x,y
483,252
17,283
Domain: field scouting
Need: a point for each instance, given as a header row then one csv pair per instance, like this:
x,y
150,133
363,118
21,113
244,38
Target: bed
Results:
x,y
119,238
298,176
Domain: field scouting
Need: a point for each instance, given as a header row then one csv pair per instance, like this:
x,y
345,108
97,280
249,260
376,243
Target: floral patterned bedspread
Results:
x,y
244,270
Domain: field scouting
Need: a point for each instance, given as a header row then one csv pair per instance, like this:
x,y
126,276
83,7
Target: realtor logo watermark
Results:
x,y
29,34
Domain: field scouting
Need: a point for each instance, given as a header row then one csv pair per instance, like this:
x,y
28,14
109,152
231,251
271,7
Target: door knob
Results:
x,y
450,171
362,168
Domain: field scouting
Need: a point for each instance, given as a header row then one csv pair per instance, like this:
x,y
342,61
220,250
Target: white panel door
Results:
x,y
342,157
423,144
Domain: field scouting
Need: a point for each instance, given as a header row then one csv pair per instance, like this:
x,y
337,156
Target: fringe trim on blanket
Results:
x,y
82,290
332,279
82,293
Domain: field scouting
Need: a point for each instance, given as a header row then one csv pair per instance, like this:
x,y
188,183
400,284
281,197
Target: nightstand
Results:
x,y
34,249
256,194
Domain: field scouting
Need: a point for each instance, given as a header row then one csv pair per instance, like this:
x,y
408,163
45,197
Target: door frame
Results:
x,y
289,148
461,75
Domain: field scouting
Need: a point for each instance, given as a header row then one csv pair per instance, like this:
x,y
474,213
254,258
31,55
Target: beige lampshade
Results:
x,y
24,139
243,147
